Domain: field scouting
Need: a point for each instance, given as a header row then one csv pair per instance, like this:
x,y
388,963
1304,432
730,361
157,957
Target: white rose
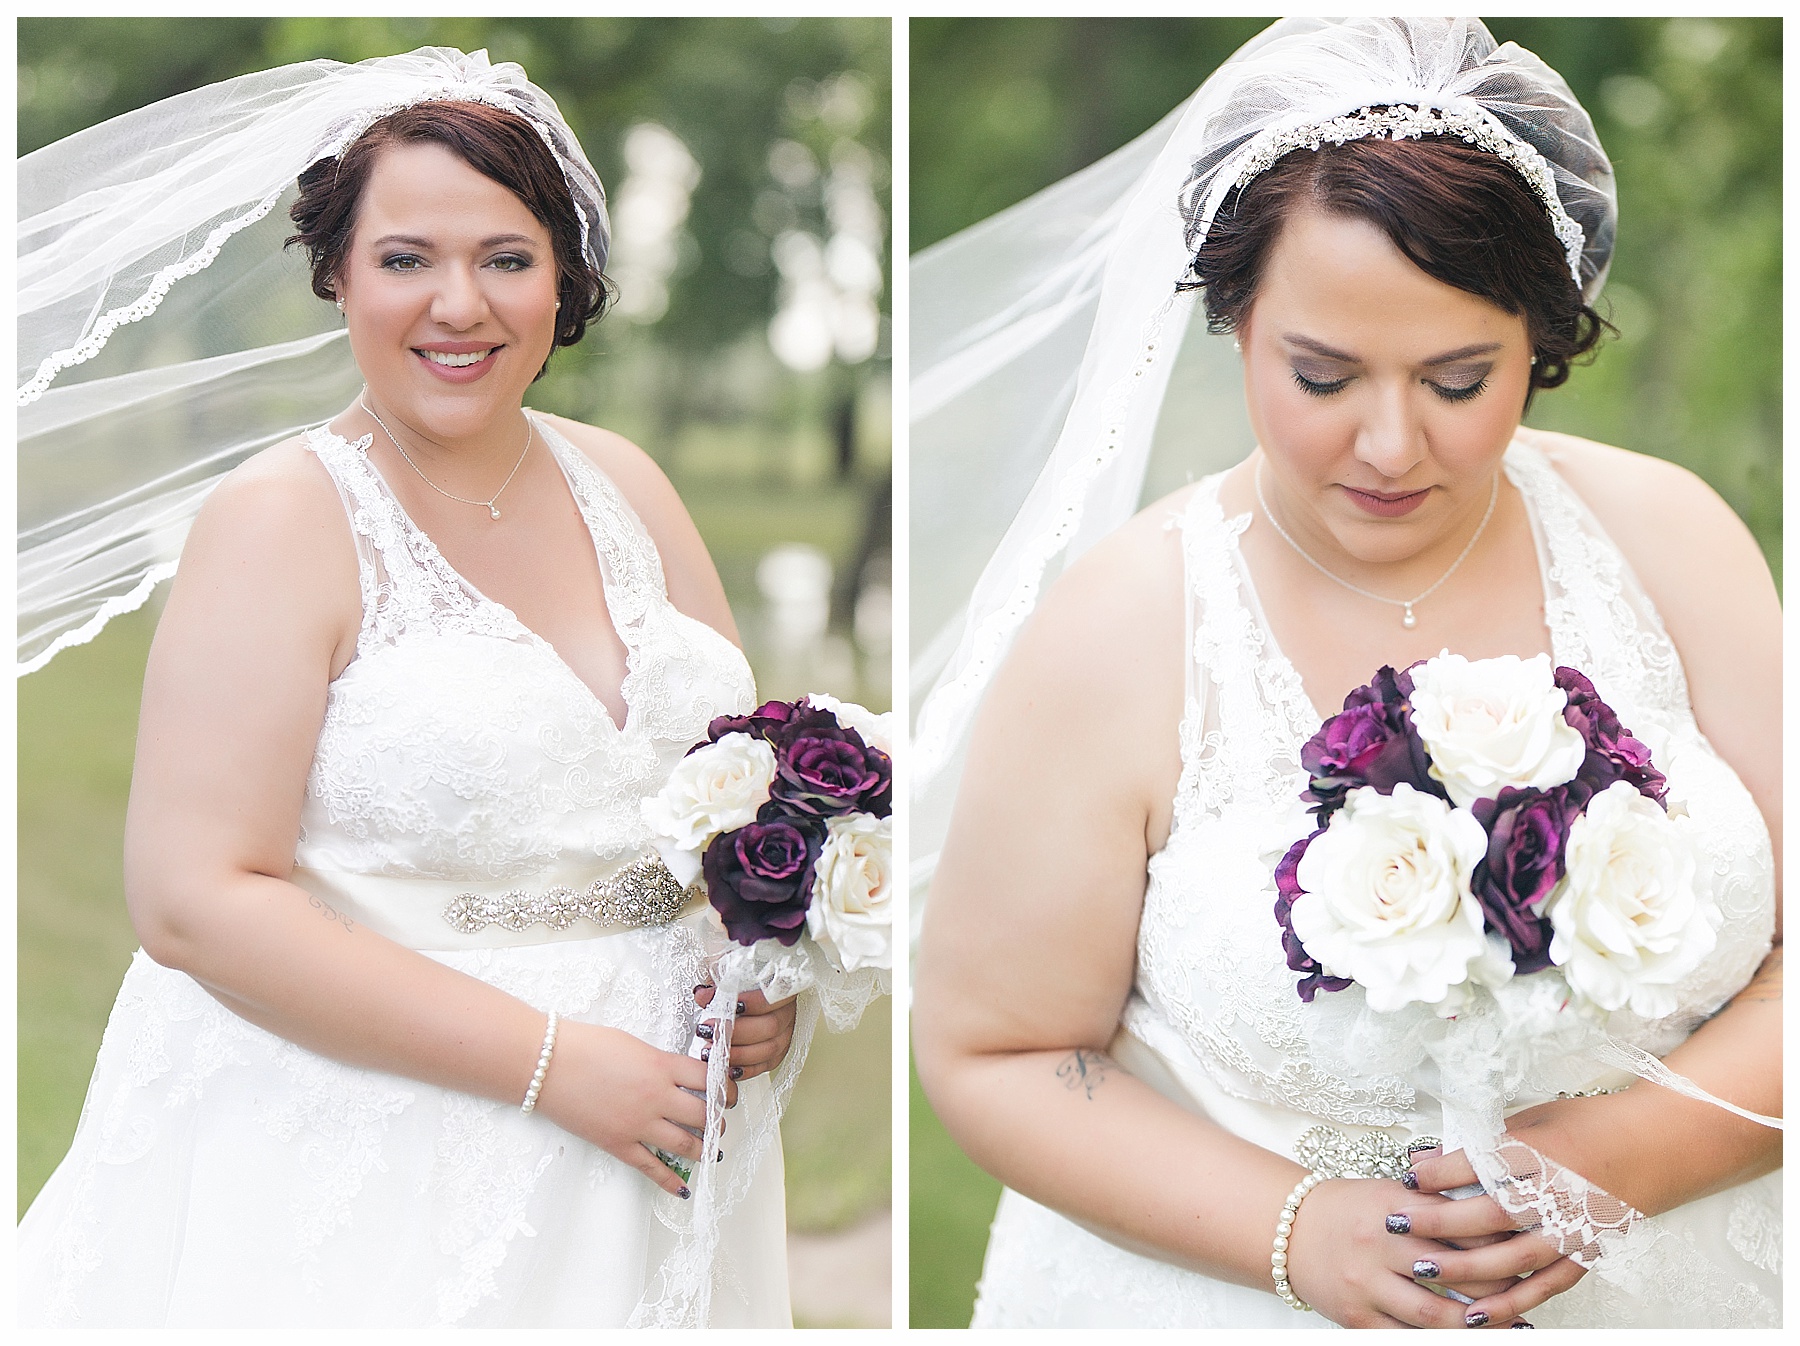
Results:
x,y
876,730
1387,900
1635,914
852,917
1492,723
712,790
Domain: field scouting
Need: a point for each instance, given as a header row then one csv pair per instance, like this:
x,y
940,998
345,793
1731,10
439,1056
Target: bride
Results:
x,y
1404,228
412,1037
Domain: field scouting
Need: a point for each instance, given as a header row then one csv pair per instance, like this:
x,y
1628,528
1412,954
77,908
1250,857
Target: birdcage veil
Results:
x,y
165,334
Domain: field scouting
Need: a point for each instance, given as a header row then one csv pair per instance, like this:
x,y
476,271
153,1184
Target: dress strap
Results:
x,y
406,583
1246,712
637,592
1600,618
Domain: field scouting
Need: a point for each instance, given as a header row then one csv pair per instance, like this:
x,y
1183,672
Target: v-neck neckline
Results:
x,y
608,581
1277,656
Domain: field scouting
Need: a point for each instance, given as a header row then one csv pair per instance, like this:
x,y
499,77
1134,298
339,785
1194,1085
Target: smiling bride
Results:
x,y
412,1035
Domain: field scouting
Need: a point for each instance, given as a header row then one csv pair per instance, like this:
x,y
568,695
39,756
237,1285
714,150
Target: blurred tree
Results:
x,y
1689,109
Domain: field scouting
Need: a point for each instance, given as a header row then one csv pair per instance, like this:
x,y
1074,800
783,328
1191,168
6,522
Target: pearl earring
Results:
x,y
340,304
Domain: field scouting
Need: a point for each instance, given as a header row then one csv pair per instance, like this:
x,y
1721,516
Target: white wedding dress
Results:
x,y
1213,1020
222,1176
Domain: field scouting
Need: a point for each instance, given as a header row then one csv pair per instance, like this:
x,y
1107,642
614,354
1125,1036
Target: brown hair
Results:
x,y
498,145
1458,213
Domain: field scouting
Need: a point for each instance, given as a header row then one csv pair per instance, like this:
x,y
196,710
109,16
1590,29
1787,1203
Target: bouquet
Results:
x,y
786,815
1481,820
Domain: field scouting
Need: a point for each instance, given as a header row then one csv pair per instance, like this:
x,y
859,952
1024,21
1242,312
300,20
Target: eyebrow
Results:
x,y
1448,357
414,241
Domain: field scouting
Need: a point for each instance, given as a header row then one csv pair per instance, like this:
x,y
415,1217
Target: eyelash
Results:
x,y
508,261
1462,394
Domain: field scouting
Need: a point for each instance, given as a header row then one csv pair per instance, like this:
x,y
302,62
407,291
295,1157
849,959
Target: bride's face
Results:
x,y
1383,399
449,290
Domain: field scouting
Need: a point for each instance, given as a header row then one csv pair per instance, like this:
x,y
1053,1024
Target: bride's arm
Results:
x,y
1029,949
264,612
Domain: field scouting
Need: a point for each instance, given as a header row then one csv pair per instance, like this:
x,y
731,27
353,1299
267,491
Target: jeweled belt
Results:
x,y
576,900
1339,1154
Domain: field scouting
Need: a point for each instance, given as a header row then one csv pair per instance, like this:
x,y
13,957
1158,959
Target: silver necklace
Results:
x,y
487,504
1407,620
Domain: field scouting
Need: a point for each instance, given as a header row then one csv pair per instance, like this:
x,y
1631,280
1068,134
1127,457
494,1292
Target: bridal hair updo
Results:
x,y
1457,212
497,144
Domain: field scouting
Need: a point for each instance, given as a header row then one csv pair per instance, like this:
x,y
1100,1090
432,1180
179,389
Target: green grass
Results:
x,y
77,723
951,1206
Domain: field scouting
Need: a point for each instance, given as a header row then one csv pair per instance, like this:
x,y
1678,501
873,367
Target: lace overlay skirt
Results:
x,y
224,1177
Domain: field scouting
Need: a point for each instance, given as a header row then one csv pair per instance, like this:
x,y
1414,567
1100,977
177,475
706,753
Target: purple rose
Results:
x,y
759,878
1370,742
1526,832
1287,889
1612,753
762,722
822,768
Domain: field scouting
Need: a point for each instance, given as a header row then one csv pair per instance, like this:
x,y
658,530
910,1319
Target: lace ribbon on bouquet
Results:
x,y
1634,1257
679,1293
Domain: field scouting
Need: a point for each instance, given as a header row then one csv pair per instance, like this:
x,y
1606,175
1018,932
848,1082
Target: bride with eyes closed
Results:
x,y
418,1032
1272,1014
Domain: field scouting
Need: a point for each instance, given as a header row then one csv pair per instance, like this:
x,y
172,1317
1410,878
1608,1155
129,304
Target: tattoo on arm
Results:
x,y
1084,1070
330,912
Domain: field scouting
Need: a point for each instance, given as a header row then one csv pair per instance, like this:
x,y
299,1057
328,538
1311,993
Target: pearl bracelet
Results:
x,y
543,1065
1283,1228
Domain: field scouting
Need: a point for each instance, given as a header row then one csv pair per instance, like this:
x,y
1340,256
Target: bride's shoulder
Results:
x,y
281,494
1670,525
1691,552
645,486
1125,593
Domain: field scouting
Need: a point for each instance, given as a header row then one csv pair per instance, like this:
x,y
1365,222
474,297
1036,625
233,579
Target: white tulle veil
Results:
x,y
1055,376
164,332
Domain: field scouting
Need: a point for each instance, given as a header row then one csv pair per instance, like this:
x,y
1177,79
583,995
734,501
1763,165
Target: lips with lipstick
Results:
x,y
457,361
1387,504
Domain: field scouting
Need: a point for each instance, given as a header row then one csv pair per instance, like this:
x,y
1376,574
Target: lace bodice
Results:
x,y
1211,967
457,743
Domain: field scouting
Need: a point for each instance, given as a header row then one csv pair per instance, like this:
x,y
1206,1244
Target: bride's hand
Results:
x,y
1550,1273
761,1034
620,1093
1346,1260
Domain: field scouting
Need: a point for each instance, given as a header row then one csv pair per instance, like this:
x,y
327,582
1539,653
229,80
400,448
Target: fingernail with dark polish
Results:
x,y
706,1053
1410,1180
737,1072
684,1194
1522,1323
740,1008
1399,1224
703,1031
1425,1269
1476,1318
720,1156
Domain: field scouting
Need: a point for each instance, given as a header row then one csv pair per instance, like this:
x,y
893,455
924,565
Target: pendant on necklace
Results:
x,y
1408,621
495,511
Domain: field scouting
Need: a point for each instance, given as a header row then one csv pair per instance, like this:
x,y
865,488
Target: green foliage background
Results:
x,y
1689,110
753,447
